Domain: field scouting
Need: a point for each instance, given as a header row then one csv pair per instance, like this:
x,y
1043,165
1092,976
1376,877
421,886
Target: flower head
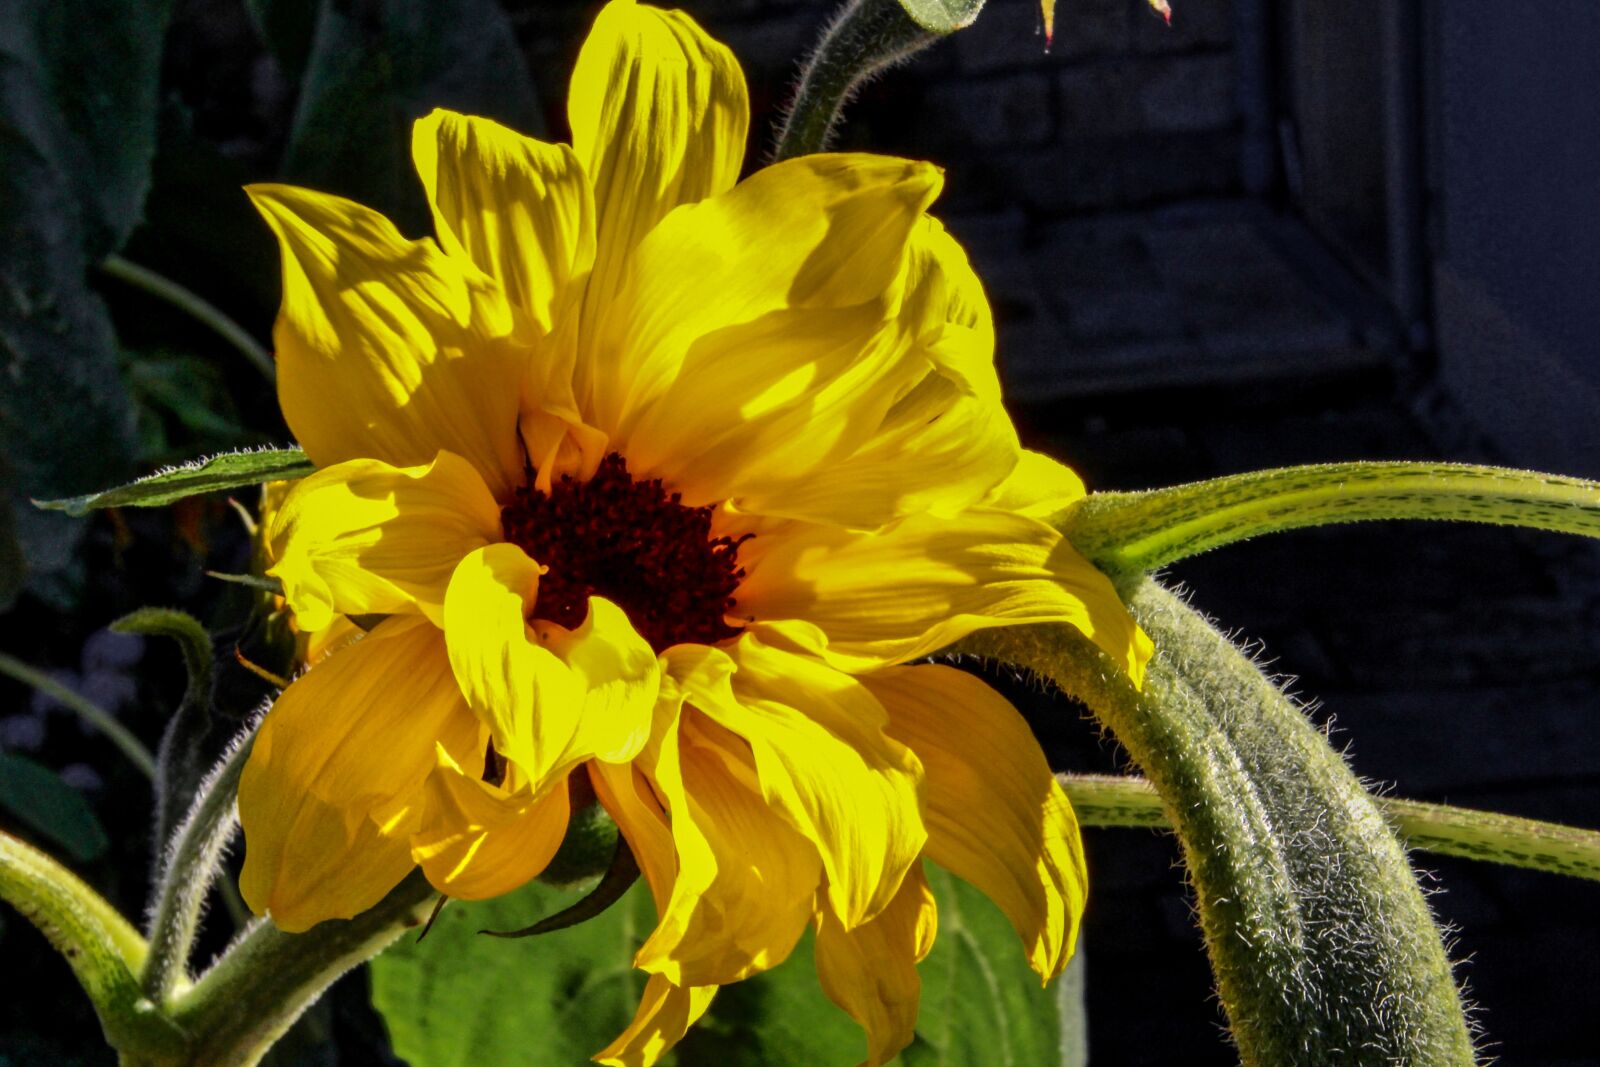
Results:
x,y
660,477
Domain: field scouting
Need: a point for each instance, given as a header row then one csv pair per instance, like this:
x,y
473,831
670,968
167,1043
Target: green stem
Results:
x,y
191,866
186,300
267,978
87,709
1123,800
1323,946
1127,533
102,948
865,38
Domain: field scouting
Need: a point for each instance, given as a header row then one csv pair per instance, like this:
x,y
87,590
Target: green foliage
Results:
x,y
457,998
231,470
37,797
374,66
78,85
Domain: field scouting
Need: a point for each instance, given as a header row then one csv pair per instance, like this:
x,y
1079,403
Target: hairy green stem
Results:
x,y
159,285
267,978
1324,949
1124,533
86,709
865,38
1125,800
192,864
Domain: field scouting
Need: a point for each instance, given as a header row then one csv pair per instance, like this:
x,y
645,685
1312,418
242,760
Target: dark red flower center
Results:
x,y
633,543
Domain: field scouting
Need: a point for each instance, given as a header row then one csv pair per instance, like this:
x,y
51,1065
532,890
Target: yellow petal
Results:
x,y
387,348
659,112
1039,486
362,537
871,971
926,581
519,689
814,234
353,737
666,1012
944,442
618,675
996,815
552,697
626,794
478,840
746,881
519,209
827,767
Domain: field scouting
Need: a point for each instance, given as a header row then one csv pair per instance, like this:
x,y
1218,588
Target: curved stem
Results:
x,y
93,713
1323,946
267,978
1140,532
186,300
191,865
866,37
1125,800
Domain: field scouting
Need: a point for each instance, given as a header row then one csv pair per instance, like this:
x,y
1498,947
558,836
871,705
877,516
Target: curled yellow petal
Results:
x,y
363,537
996,815
333,782
666,1012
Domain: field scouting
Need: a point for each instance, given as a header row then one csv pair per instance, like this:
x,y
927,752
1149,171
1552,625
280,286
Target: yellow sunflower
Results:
x,y
659,477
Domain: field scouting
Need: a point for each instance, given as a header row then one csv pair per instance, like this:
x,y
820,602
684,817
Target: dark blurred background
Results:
x,y
1277,231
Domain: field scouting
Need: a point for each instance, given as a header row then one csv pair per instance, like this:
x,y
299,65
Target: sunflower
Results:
x,y
646,474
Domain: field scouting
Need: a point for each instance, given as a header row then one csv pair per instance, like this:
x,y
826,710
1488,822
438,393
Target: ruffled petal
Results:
x,y
805,256
666,1012
926,581
333,783
745,884
996,815
387,348
871,971
519,209
362,537
826,766
943,443
1039,486
659,113
624,792
477,840
551,697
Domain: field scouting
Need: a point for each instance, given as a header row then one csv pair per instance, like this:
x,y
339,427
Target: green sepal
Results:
x,y
230,470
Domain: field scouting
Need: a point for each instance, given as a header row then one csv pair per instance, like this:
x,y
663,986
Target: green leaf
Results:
x,y
943,16
38,797
376,66
78,93
230,470
458,998
981,1005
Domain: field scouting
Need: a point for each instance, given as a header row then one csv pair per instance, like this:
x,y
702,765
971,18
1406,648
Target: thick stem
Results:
x,y
267,978
192,864
866,37
1123,800
1126,533
1324,949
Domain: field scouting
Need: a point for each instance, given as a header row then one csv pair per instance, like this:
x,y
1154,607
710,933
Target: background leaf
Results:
x,y
373,67
458,998
38,798
78,88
